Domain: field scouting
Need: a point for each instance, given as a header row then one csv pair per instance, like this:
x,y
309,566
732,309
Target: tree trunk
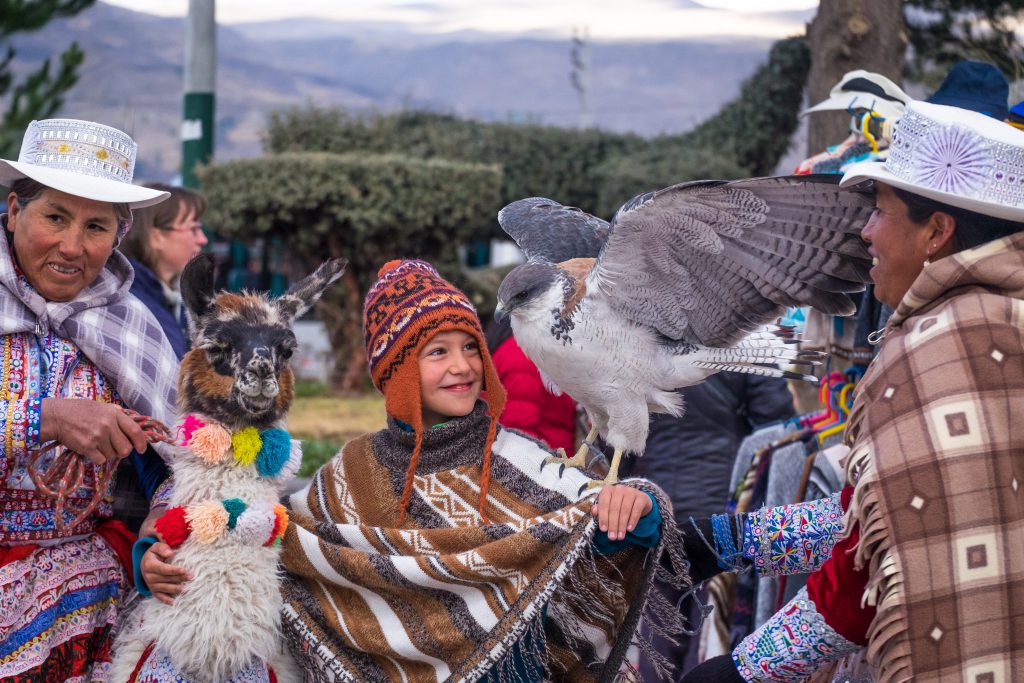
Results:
x,y
844,36
342,314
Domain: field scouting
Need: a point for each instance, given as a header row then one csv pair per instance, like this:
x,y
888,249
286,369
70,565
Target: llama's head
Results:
x,y
237,371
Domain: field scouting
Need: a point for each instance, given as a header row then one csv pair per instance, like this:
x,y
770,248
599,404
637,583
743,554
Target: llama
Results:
x,y
234,389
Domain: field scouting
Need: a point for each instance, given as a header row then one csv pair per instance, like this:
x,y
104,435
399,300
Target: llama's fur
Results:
x,y
236,374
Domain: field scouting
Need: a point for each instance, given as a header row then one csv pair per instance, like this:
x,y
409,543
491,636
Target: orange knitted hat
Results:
x,y
408,304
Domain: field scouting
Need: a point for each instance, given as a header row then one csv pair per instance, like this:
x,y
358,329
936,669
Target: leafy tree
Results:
x,y
943,32
368,209
41,93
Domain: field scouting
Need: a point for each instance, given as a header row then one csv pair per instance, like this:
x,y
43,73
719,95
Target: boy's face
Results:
x,y
451,376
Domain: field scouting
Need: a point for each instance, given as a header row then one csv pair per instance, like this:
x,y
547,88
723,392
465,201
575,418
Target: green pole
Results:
x,y
200,75
196,135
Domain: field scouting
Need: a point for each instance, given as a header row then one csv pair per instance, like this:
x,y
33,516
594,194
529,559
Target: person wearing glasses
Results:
x,y
163,239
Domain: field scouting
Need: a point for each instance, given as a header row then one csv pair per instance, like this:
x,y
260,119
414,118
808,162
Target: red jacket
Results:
x,y
530,407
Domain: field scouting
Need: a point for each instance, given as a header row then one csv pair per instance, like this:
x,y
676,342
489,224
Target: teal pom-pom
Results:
x,y
235,507
277,447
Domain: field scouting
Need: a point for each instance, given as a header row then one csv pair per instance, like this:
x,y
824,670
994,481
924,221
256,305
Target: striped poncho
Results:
x,y
449,597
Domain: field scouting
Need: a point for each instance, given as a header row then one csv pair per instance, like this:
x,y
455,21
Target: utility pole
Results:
x,y
580,74
200,77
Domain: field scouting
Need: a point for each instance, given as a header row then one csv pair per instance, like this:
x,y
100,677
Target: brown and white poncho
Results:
x,y
447,596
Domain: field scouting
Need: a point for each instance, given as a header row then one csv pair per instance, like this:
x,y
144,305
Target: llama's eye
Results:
x,y
286,353
213,347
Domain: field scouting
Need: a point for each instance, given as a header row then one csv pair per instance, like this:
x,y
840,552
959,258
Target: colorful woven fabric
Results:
x,y
156,667
936,463
58,606
448,596
792,539
790,646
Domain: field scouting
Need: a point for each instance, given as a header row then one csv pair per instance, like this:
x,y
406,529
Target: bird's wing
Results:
x,y
709,261
547,231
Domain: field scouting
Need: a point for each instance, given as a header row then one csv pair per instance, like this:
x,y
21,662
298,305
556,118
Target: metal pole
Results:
x,y
200,75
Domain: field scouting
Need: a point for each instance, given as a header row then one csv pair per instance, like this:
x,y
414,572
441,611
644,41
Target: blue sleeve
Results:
x,y
150,470
646,534
138,550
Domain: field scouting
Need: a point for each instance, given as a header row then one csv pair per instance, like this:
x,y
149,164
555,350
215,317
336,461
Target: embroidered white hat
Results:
x,y
81,158
954,156
864,90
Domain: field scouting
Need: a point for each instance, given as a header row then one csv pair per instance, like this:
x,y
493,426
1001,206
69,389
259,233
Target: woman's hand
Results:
x,y
101,432
165,581
619,508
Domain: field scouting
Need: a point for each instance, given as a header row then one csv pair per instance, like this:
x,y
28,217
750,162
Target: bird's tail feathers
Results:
x,y
753,369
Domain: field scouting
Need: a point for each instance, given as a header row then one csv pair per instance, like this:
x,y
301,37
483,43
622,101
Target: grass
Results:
x,y
326,423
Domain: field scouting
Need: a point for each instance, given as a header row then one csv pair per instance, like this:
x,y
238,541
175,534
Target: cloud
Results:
x,y
606,19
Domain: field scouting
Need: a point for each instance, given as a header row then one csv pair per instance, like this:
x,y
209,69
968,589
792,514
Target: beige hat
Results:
x,y
954,156
80,158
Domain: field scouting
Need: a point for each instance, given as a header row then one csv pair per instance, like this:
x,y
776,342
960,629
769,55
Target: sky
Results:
x,y
604,19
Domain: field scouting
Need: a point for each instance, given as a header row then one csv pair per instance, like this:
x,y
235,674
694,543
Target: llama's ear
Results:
x,y
197,286
303,294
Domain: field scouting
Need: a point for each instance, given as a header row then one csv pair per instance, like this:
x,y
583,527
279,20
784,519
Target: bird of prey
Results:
x,y
683,283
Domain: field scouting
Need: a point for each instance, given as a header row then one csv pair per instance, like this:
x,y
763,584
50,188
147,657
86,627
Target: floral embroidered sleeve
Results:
x,y
792,539
793,644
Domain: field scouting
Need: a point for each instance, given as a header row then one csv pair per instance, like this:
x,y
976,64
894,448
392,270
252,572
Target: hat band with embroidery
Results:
x,y
953,158
81,147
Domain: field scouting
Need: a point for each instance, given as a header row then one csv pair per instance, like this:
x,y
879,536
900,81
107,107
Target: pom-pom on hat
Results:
x,y
408,304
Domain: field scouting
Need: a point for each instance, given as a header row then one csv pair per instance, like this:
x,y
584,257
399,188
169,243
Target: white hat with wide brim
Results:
x,y
862,89
80,158
954,156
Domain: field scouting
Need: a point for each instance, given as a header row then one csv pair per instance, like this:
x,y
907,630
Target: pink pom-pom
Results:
x,y
210,443
190,424
208,519
254,525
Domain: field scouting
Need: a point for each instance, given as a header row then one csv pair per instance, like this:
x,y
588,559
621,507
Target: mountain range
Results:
x,y
133,77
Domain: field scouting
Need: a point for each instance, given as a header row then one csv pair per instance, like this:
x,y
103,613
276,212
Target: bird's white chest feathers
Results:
x,y
592,358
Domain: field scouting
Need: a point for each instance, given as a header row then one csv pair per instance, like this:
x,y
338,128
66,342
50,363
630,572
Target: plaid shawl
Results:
x,y
446,597
938,463
112,328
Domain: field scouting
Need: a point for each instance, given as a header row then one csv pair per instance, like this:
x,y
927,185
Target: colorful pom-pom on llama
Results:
x,y
233,459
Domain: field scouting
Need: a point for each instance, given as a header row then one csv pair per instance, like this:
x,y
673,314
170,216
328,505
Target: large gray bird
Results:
x,y
680,285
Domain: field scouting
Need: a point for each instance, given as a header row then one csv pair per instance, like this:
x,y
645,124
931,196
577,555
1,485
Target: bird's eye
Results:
x,y
521,296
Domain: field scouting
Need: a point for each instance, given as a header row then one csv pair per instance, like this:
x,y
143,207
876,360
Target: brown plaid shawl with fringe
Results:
x,y
446,597
938,464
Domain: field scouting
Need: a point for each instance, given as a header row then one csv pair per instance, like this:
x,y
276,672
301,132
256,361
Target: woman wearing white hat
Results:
x,y
76,347
928,584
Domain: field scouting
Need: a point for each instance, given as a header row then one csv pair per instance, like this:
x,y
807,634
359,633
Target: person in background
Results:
x,y
164,238
531,407
691,459
76,350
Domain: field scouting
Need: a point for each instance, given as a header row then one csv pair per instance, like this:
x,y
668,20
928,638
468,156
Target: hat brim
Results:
x,y
875,170
80,185
846,101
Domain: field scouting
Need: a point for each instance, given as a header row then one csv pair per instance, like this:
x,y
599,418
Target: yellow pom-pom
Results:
x,y
210,443
208,519
247,444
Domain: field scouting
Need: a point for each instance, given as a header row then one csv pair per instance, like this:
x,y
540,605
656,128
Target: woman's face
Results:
x,y
176,244
897,245
451,376
61,241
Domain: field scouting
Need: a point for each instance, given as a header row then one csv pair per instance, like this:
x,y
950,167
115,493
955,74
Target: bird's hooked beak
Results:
x,y
500,313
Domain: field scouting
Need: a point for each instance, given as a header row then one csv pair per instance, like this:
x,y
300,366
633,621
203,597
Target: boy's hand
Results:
x,y
165,581
619,508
